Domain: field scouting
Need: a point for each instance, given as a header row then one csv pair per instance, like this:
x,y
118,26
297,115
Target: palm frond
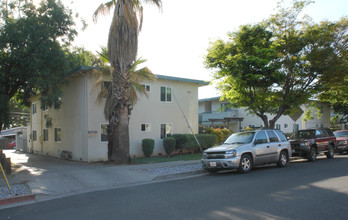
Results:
x,y
103,9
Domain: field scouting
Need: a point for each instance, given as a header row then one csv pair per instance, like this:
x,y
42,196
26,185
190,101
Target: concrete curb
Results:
x,y
17,199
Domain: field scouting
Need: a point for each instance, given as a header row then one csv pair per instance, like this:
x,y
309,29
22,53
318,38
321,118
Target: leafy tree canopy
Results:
x,y
32,59
277,65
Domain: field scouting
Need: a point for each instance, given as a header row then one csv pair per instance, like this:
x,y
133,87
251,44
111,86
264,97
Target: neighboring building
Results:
x,y
18,134
78,128
212,115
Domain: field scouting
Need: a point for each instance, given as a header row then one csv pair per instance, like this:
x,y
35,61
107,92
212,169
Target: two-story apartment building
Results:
x,y
212,115
78,128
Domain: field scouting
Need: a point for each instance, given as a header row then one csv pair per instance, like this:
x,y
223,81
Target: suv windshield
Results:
x,y
304,134
341,133
240,138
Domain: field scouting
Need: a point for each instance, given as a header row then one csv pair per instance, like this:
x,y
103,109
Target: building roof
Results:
x,y
210,99
12,131
201,82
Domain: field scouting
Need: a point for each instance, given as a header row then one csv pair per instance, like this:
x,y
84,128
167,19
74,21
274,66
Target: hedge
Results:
x,y
169,145
188,141
148,146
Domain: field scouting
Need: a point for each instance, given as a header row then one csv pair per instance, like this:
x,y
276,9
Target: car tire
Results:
x,y
283,159
245,164
330,154
312,155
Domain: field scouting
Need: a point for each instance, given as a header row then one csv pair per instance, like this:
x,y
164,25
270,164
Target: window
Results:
x,y
147,88
272,136
145,127
104,132
319,133
261,137
166,94
34,108
297,126
45,133
285,125
34,135
57,134
278,126
166,130
281,135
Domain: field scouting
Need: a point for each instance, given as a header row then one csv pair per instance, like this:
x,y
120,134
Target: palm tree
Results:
x,y
136,77
122,48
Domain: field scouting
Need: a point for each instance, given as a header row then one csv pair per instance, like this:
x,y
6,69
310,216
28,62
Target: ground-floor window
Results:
x,y
104,132
34,135
45,134
166,130
57,134
278,126
146,127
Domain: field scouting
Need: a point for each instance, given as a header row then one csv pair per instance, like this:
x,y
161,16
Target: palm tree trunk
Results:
x,y
120,117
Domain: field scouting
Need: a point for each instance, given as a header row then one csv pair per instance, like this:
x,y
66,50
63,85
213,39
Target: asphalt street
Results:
x,y
303,190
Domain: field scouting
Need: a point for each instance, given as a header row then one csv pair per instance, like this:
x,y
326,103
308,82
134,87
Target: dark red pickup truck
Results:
x,y
309,143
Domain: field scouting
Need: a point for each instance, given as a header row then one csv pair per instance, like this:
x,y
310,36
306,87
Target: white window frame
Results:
x,y
56,135
147,127
149,86
166,133
165,96
34,108
101,141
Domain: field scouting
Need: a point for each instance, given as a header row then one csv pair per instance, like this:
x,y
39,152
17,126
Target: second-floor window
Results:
x,y
147,88
34,108
166,94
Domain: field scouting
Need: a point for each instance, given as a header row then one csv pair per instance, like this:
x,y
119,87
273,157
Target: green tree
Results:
x,y
275,66
32,60
333,48
122,48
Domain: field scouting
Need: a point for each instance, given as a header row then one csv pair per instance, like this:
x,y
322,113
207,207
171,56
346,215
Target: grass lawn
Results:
x,y
144,160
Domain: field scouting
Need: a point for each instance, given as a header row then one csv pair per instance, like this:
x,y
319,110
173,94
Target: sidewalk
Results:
x,y
50,178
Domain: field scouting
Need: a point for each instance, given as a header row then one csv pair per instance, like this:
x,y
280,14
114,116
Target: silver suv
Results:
x,y
244,150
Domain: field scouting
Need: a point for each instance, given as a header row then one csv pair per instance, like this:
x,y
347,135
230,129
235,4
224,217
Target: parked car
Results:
x,y
308,143
244,150
11,145
342,141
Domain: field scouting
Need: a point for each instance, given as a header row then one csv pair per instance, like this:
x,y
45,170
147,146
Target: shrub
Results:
x,y
180,141
148,146
169,145
221,134
205,140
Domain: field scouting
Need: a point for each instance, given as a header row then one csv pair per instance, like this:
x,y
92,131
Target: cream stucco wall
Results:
x,y
71,118
155,112
80,118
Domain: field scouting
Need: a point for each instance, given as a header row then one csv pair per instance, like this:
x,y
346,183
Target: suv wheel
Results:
x,y
330,153
312,155
283,159
245,164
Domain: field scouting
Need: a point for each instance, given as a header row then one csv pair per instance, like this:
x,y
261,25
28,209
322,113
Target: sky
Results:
x,y
175,39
